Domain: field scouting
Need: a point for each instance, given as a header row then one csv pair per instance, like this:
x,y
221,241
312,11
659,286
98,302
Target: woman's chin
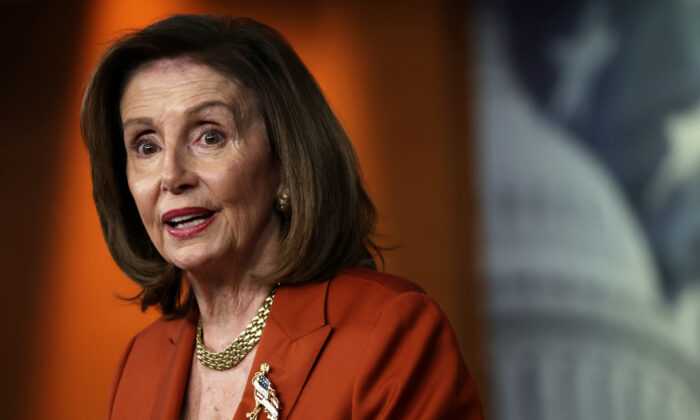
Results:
x,y
194,259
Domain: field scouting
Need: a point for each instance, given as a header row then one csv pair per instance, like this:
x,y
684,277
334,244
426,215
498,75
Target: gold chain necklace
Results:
x,y
231,355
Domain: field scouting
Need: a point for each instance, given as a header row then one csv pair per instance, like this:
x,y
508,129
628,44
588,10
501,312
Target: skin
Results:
x,y
185,150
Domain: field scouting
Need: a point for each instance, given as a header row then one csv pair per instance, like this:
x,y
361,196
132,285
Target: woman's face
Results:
x,y
203,186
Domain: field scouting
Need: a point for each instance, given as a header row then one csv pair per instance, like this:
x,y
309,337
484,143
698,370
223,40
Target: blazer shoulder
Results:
x,y
163,330
373,281
359,294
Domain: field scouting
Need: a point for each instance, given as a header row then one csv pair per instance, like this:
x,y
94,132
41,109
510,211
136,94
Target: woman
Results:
x,y
229,192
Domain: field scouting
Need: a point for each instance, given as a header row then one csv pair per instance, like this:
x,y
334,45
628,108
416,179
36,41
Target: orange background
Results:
x,y
397,76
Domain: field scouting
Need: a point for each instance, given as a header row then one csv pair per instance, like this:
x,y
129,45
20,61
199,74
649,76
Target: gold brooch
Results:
x,y
265,396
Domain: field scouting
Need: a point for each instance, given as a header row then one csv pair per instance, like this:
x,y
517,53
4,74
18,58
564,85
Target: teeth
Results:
x,y
192,223
182,218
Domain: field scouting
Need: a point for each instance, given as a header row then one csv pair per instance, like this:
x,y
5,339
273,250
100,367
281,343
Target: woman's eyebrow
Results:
x,y
189,112
142,120
207,104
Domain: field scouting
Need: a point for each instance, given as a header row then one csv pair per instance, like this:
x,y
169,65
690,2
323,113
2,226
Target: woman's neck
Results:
x,y
229,295
226,308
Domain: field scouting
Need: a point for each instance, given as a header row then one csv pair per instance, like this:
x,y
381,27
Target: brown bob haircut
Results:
x,y
332,217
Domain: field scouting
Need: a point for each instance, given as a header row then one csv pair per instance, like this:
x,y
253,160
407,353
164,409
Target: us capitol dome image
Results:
x,y
579,325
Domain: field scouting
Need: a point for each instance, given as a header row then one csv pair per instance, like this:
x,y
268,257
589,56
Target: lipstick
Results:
x,y
186,222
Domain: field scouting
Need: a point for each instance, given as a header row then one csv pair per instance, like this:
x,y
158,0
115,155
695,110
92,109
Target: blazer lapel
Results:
x,y
177,361
293,337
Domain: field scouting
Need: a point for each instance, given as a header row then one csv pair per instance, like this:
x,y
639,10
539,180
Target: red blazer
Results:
x,y
364,345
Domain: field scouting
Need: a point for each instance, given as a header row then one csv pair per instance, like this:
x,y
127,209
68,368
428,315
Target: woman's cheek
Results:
x,y
145,198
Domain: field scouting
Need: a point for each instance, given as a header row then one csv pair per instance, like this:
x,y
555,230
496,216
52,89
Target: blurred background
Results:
x,y
537,164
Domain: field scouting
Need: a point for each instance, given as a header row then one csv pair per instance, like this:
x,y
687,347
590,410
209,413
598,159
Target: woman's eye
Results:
x,y
147,148
211,138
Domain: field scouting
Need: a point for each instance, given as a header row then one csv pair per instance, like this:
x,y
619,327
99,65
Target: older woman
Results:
x,y
229,192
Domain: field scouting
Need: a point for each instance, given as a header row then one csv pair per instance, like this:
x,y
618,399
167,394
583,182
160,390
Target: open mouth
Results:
x,y
182,222
187,221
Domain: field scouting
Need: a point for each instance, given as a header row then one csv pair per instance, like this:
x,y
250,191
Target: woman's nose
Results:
x,y
177,174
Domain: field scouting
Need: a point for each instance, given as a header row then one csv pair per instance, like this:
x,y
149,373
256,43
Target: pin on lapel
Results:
x,y
265,396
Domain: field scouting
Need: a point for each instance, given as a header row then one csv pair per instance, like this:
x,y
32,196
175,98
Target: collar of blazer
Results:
x,y
295,333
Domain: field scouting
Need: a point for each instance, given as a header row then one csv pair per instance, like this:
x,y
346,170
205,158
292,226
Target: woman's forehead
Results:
x,y
176,83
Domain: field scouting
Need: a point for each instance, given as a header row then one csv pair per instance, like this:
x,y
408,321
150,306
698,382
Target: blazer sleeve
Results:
x,y
116,377
411,367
